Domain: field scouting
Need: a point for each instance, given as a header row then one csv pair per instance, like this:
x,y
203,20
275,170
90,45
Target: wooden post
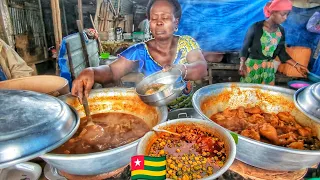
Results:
x,y
118,10
70,61
98,11
99,42
54,21
56,18
6,30
106,19
43,31
83,43
80,11
59,20
210,75
101,17
64,18
112,8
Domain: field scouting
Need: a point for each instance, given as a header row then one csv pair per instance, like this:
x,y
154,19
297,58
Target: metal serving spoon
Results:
x,y
92,131
165,131
87,110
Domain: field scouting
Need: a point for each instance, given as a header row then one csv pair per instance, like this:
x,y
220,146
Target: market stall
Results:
x,y
232,131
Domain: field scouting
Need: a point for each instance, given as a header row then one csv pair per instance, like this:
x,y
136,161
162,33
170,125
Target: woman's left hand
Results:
x,y
167,67
302,69
181,67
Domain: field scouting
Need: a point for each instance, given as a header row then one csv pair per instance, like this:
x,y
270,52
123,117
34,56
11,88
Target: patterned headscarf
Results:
x,y
277,5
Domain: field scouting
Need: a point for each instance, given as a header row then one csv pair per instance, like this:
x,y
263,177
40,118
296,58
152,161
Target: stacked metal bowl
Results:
x,y
174,84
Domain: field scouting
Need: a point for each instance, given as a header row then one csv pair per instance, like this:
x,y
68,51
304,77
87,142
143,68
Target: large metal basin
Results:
x,y
102,101
215,98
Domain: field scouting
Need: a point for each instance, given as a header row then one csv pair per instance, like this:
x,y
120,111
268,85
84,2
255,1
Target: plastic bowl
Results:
x,y
298,84
104,55
313,77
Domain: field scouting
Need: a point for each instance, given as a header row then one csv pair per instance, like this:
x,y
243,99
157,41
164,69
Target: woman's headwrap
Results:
x,y
277,5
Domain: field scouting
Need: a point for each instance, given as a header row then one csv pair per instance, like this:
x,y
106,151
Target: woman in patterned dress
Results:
x,y
165,50
265,40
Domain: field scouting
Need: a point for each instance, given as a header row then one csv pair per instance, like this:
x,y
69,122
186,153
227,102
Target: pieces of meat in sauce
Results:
x,y
119,129
278,129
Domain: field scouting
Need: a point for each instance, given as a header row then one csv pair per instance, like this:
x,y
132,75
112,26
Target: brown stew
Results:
x,y
194,155
278,129
119,129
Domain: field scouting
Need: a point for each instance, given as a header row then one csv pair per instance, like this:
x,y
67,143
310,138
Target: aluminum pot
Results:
x,y
103,101
216,130
183,113
215,98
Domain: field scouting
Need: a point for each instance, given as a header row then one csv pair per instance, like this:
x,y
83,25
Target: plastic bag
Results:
x,y
313,24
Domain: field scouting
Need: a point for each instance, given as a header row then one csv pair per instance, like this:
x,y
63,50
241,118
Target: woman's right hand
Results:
x,y
83,84
243,69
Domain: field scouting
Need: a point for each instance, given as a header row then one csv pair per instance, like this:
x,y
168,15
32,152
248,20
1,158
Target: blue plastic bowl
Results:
x,y
313,77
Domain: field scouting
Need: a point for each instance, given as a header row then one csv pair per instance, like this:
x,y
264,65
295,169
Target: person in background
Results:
x,y
165,50
144,26
264,41
11,64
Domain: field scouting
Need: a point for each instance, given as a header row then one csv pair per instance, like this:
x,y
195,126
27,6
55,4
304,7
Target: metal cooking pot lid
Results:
x,y
32,124
307,100
183,113
316,91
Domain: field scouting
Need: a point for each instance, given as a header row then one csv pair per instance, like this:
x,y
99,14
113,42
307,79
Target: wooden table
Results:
x,y
237,171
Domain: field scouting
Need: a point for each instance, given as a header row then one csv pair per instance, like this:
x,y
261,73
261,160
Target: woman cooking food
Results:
x,y
165,50
265,40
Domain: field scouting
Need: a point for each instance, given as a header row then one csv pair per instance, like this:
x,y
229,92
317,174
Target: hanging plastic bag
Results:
x,y
313,24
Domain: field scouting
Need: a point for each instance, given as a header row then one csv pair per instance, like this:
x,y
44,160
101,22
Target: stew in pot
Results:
x,y
278,129
119,129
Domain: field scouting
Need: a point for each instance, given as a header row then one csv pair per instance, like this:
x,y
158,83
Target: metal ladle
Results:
x,y
87,110
92,131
